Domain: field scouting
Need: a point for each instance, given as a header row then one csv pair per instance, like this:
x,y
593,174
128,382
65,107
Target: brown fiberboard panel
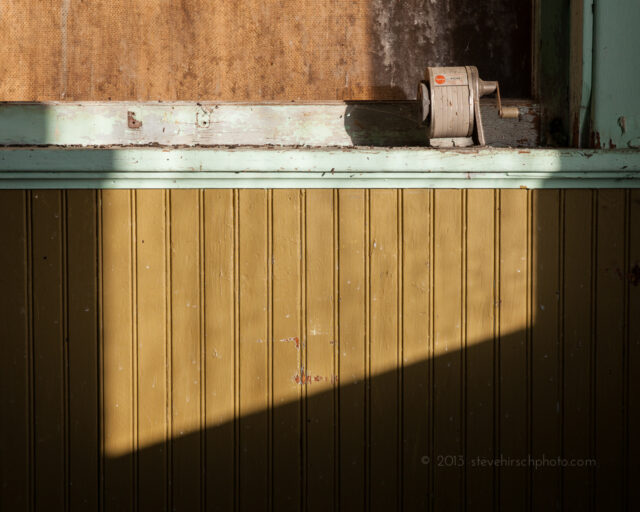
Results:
x,y
254,50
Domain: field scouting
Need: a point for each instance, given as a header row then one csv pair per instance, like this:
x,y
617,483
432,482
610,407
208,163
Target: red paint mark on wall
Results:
x,y
303,378
294,339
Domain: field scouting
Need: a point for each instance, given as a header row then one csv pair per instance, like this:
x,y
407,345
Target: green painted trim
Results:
x,y
587,73
316,168
615,102
383,124
581,71
317,183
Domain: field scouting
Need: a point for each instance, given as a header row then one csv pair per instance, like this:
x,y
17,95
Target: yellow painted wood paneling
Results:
x,y
16,351
480,343
254,346
416,217
632,380
513,420
610,351
289,373
352,342
186,357
219,266
576,297
50,349
118,408
385,349
448,331
320,348
82,342
546,427
316,349
152,346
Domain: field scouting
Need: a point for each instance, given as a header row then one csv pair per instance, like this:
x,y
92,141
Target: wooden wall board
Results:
x,y
418,315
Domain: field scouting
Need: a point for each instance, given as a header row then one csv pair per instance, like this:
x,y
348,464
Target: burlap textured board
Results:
x,y
253,50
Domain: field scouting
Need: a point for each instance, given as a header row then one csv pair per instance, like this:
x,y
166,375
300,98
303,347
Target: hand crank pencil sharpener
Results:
x,y
449,99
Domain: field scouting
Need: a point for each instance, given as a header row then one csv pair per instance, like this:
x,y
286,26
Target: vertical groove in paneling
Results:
x,y
135,349
101,354
464,196
561,341
531,301
335,294
236,351
303,330
135,410
168,279
431,455
609,434
202,350
497,376
497,352
31,351
400,348
625,351
16,437
268,261
595,215
529,343
633,379
64,303
304,349
366,244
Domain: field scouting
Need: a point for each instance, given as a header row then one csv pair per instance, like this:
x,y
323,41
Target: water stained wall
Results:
x,y
494,35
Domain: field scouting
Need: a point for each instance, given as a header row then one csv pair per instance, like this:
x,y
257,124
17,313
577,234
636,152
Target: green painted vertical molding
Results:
x,y
581,70
553,19
615,101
